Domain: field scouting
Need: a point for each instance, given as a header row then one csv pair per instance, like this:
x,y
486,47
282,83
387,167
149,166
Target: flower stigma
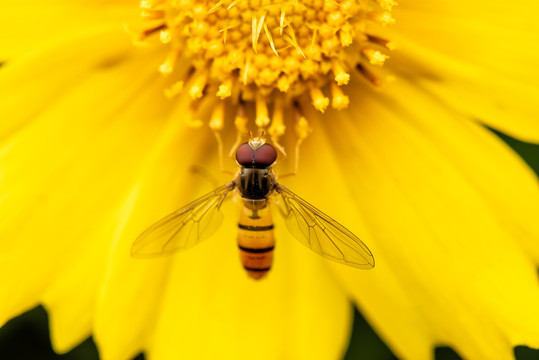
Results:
x,y
275,55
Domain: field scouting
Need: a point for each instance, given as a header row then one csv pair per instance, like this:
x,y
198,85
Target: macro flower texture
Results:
x,y
114,114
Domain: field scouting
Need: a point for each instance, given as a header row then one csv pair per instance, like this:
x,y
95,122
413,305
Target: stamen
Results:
x,y
375,57
339,100
240,123
307,50
165,36
199,85
217,120
174,90
168,66
262,118
345,35
320,102
302,131
381,41
216,125
383,18
341,76
277,127
191,118
283,84
373,79
225,89
246,70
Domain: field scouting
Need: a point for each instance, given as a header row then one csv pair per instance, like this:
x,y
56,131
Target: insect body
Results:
x,y
255,183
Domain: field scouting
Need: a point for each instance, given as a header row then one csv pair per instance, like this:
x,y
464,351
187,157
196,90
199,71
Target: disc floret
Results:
x,y
268,52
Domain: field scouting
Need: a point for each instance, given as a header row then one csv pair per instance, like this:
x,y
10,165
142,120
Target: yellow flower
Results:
x,y
92,153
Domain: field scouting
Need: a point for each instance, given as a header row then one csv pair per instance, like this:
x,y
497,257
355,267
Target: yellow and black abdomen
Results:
x,y
255,238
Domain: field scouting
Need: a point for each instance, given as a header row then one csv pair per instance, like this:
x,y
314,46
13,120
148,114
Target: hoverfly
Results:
x,y
255,182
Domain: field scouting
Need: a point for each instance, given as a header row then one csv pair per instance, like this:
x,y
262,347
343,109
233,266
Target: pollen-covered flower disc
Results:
x,y
278,54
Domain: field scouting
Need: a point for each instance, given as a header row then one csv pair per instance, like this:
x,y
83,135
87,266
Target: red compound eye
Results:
x,y
245,155
262,157
265,155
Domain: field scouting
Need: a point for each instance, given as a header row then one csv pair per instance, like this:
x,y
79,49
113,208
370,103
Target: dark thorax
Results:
x,y
255,184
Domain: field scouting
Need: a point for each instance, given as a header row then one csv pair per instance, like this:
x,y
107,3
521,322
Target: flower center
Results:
x,y
269,52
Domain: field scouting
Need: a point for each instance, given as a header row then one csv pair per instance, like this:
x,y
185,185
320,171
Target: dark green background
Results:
x,y
27,337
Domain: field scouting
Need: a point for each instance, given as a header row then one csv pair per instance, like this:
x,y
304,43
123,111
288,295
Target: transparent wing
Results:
x,y
185,227
321,233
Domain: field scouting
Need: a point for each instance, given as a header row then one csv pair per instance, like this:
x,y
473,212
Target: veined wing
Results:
x,y
321,233
185,227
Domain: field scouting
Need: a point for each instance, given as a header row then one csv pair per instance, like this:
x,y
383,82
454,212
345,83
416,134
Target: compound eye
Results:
x,y
265,155
245,155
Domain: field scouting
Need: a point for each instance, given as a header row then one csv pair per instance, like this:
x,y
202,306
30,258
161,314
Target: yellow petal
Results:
x,y
134,286
43,78
454,263
73,173
71,297
27,25
213,310
476,58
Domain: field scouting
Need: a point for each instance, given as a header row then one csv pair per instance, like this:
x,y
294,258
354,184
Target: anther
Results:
x,y
262,119
225,89
199,84
341,76
283,84
168,65
375,57
165,36
256,50
345,35
320,102
217,116
383,18
339,101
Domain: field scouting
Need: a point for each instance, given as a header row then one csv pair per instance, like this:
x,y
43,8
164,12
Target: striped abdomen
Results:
x,y
255,238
